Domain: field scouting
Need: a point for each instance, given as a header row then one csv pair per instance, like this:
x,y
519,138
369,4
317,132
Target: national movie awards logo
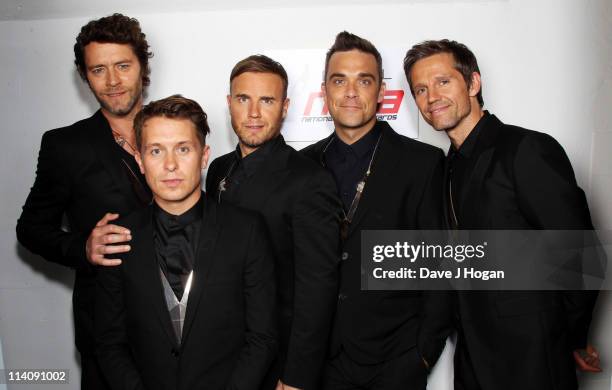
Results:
x,y
308,118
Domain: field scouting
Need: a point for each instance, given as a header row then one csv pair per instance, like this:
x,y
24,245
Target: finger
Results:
x,y
110,262
109,229
583,365
114,238
592,351
112,249
106,218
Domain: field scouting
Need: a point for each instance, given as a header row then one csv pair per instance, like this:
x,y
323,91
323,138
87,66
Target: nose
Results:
x,y
170,162
432,94
351,89
112,78
254,110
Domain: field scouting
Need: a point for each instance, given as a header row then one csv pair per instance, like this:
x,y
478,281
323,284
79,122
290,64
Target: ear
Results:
x,y
205,156
381,92
229,100
138,158
285,107
323,90
474,84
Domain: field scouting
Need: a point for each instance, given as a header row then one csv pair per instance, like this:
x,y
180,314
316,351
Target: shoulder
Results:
x,y
411,148
221,162
72,138
519,138
136,220
313,151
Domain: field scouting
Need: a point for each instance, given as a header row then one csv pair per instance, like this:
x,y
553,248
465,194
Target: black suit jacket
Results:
x,y
301,209
79,175
402,192
521,179
229,333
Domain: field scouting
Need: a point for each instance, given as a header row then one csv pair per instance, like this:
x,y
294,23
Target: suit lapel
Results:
x,y
204,258
102,142
385,160
484,151
144,247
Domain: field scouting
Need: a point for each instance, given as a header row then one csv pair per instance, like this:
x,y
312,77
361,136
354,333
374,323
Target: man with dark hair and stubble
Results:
x,y
298,202
504,177
193,304
87,170
380,340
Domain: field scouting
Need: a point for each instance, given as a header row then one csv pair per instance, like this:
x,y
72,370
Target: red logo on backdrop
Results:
x,y
390,105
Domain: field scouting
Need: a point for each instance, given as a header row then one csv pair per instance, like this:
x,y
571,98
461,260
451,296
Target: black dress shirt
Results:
x,y
243,168
460,165
349,163
176,240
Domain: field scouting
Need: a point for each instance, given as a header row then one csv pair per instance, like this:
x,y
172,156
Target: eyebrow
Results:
x,y
123,61
361,75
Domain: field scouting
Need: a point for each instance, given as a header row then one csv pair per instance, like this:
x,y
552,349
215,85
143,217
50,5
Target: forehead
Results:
x,y
164,130
434,65
353,61
96,52
257,84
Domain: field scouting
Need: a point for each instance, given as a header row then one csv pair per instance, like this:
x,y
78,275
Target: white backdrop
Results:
x,y
546,65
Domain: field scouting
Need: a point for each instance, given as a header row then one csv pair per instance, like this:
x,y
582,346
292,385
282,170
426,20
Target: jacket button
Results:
x,y
345,255
174,352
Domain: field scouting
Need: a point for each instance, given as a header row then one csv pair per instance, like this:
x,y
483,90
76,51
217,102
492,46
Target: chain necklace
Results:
x,y
121,141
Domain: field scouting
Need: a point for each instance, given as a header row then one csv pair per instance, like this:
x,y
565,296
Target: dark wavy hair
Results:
x,y
345,41
116,28
465,60
260,63
173,107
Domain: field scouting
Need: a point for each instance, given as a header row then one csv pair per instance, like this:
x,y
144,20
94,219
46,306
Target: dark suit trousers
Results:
x,y
404,372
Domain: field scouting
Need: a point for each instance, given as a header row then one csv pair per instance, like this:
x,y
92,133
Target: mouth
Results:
x,y
115,94
438,110
172,183
254,127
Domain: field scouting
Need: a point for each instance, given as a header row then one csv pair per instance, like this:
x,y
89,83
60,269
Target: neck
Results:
x,y
246,150
459,133
351,135
123,124
178,208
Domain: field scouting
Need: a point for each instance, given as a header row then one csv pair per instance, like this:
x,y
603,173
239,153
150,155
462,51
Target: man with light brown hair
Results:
x,y
301,211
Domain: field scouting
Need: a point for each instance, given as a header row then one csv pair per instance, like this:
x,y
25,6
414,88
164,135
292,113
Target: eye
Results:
x,y
242,99
183,149
98,70
267,100
419,91
123,66
338,81
155,152
444,81
365,82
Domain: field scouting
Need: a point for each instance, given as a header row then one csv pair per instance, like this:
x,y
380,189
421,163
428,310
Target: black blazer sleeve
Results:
x,y
316,243
39,227
437,310
550,198
111,344
261,345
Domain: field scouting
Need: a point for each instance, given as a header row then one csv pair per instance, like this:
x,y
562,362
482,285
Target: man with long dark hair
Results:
x,y
88,169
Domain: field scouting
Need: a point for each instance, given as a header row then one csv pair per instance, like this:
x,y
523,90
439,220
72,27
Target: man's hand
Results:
x,y
281,386
587,360
104,234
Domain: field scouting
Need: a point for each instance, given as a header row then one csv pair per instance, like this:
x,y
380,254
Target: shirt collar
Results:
x,y
253,160
467,147
362,146
172,222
